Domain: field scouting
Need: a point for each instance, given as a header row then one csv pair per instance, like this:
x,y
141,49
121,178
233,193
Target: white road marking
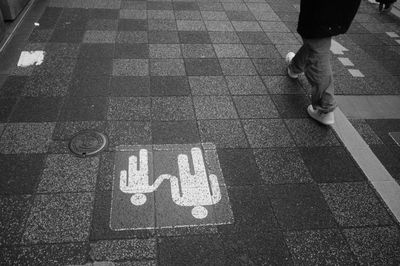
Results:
x,y
30,58
337,48
398,41
345,61
392,34
356,73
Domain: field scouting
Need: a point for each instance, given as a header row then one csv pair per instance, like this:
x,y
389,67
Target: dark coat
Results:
x,y
326,18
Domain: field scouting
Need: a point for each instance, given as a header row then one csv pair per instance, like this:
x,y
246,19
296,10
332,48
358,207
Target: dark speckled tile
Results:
x,y
215,131
375,245
15,211
319,247
6,107
128,133
84,109
12,86
256,248
282,166
319,162
175,132
130,249
66,130
355,204
47,85
37,109
255,107
291,106
20,173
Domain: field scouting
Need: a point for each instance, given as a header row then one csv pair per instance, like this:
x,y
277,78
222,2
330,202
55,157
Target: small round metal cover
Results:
x,y
87,143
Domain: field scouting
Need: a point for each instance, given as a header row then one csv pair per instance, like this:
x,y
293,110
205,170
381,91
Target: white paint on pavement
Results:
x,y
30,58
337,48
393,34
345,61
356,73
398,41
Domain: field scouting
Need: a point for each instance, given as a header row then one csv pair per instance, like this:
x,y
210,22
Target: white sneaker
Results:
x,y
288,59
323,118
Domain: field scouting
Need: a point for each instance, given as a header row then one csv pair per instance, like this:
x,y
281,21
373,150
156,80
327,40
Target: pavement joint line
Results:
x,y
378,176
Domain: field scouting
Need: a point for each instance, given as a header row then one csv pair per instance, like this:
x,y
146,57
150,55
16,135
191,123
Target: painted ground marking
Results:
x,y
396,137
345,61
337,48
166,186
392,34
356,73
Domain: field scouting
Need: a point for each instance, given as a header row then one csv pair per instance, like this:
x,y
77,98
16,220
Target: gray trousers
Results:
x,y
313,58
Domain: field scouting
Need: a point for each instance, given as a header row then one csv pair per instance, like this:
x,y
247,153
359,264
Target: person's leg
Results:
x,y
299,61
318,71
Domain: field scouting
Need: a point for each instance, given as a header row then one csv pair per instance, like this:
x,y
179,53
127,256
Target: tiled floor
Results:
x,y
184,72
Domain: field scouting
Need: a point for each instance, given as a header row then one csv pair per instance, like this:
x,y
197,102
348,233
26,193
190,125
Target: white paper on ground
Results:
x,y
30,58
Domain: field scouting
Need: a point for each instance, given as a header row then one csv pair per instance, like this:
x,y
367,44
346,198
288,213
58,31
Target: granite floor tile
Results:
x,y
128,133
132,25
47,85
132,14
186,37
67,173
187,14
130,86
214,107
282,85
214,15
59,218
247,26
291,106
41,35
216,131
198,51
249,37
383,126
87,86
282,166
130,67
165,51
308,133
266,247
167,67
172,108
239,167
67,50
245,85
129,108
160,14
66,130
190,25
262,51
282,38
270,66
203,67
165,37
267,133
131,51
20,173
96,50
320,247
208,85
84,109
255,107
191,250
65,254
234,6
252,211
389,155
274,26
6,107
15,212
375,245
355,204
55,65
224,37
182,5
95,36
132,249
319,162
132,37
240,15
102,24
13,86
159,5
299,207
134,5
105,174
207,6
95,66
36,109
162,25
230,50
26,138
169,86
237,67
366,132
180,132
219,25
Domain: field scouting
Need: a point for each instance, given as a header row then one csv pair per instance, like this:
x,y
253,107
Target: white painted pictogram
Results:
x,y
190,190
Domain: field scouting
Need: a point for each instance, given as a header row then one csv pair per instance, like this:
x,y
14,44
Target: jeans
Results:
x,y
313,58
